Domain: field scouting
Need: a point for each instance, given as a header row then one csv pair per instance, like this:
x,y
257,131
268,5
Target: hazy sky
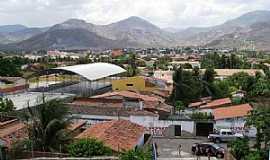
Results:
x,y
164,13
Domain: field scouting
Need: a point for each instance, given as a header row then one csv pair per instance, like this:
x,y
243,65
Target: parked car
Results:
x,y
208,148
224,135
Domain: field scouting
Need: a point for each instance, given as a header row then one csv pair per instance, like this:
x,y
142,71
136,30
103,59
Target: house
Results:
x,y
10,85
233,117
208,105
119,135
164,75
194,64
11,129
117,53
145,110
138,83
220,73
129,99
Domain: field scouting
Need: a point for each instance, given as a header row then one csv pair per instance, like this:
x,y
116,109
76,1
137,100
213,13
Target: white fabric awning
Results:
x,y
94,71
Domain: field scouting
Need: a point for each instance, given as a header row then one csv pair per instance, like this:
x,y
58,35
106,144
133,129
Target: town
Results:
x,y
86,104
134,80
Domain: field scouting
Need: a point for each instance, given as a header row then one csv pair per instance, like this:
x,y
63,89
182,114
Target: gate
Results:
x,y
204,129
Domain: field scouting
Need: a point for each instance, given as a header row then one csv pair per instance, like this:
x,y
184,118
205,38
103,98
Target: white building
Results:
x,y
233,117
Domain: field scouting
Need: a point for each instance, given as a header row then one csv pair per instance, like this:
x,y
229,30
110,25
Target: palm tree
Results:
x,y
47,126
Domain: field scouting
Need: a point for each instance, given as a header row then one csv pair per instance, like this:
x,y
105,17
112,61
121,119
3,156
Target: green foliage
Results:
x,y
237,100
179,106
254,155
190,85
137,154
209,75
239,148
47,126
186,86
162,63
254,86
242,81
20,146
201,116
222,88
218,61
260,119
186,66
6,105
88,148
11,66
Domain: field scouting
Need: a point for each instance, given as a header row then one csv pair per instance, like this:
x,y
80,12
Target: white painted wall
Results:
x,y
237,125
153,122
149,122
140,142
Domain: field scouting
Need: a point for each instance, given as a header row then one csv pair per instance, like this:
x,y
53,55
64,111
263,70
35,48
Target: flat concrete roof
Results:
x,y
21,100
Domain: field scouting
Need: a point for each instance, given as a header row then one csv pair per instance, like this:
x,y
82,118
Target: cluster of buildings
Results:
x,y
124,112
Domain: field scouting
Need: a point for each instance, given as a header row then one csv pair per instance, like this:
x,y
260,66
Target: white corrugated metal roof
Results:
x,y
94,71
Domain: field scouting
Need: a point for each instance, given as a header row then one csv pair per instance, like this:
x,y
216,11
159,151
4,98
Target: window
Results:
x,y
129,85
223,133
229,133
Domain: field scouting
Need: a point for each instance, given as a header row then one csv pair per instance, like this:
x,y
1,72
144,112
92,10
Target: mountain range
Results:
x,y
249,30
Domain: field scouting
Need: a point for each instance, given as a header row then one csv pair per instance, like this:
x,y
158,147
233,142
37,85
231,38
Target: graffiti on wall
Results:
x,y
156,131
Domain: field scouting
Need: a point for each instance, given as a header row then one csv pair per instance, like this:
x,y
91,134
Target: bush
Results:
x,y
137,154
6,105
239,148
255,155
201,116
88,148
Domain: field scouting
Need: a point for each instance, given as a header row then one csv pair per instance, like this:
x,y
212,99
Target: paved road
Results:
x,y
167,148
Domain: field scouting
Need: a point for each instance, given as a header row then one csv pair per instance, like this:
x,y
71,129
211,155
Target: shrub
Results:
x,y
201,116
88,148
239,148
136,154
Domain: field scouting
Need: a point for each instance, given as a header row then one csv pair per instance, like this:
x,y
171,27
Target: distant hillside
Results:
x,y
237,32
11,28
249,29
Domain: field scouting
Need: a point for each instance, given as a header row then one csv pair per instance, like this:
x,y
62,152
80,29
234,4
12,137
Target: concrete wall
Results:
x,y
152,123
160,127
237,125
138,83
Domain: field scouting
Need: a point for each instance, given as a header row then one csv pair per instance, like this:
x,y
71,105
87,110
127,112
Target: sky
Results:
x,y
163,13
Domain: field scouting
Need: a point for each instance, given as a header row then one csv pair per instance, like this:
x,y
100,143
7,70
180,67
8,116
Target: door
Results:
x,y
177,130
204,129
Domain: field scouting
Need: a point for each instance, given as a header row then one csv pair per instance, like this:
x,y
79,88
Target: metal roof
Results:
x,y
94,71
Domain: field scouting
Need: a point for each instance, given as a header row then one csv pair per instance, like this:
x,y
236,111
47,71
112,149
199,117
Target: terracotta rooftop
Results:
x,y
127,94
75,125
211,104
119,135
216,103
109,111
11,129
232,111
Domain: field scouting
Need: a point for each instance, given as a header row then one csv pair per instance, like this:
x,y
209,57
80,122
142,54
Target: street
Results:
x,y
168,148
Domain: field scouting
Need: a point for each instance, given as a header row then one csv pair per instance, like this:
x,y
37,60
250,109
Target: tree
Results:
x,y
6,105
239,148
209,75
88,148
46,126
242,81
136,154
132,64
179,106
255,155
260,119
222,88
186,87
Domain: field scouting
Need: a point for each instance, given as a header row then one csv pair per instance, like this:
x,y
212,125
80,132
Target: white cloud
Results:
x,y
164,13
